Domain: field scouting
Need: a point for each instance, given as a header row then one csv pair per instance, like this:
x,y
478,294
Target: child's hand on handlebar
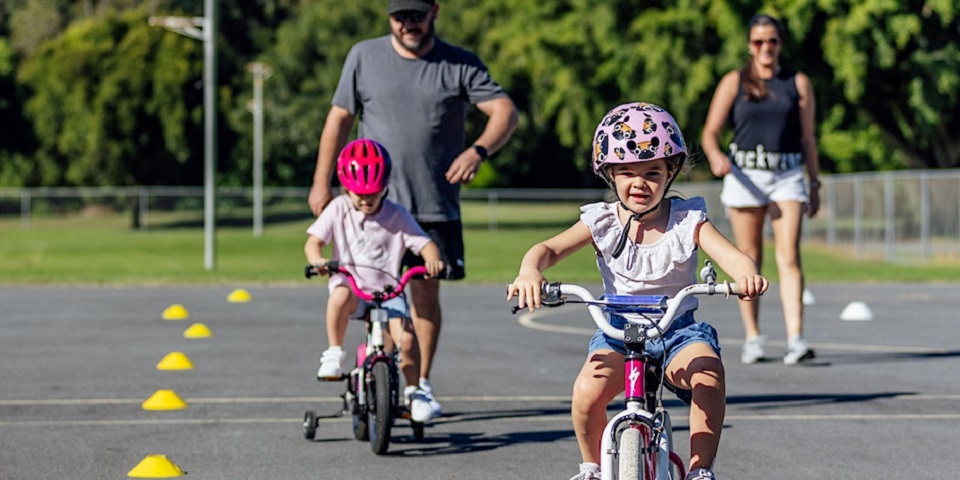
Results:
x,y
434,267
752,286
527,288
319,265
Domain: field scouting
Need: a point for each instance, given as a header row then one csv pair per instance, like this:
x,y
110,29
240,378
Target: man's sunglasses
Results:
x,y
413,16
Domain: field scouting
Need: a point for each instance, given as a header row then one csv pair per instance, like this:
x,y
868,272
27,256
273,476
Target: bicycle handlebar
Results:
x,y
386,294
554,295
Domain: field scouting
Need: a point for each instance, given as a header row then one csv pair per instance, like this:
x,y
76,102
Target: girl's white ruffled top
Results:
x,y
660,268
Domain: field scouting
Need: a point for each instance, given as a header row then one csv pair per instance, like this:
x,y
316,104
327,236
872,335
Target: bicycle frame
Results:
x,y
643,420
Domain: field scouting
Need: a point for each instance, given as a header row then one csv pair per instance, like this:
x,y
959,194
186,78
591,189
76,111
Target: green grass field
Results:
x,y
102,248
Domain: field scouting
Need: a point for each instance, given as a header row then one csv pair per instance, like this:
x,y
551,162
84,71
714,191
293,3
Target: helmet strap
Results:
x,y
622,241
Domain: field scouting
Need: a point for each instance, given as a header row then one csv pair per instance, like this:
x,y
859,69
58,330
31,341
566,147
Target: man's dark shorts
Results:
x,y
449,237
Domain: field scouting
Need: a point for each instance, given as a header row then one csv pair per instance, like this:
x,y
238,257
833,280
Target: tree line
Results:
x,y
91,94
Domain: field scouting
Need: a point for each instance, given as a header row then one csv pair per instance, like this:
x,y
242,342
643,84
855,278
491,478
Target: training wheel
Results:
x,y
309,425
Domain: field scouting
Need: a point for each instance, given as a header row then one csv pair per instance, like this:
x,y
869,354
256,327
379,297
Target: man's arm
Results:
x,y
501,122
332,139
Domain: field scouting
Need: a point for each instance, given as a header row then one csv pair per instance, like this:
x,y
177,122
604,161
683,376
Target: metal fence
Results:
x,y
907,216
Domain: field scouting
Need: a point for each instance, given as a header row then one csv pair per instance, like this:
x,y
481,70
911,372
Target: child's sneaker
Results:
x,y
588,471
798,350
752,350
331,364
700,474
419,405
427,390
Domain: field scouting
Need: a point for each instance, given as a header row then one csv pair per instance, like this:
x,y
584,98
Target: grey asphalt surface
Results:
x,y
882,400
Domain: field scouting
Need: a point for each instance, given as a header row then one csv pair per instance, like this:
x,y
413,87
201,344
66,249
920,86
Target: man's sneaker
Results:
x,y
752,350
420,410
798,350
331,364
700,474
588,471
427,390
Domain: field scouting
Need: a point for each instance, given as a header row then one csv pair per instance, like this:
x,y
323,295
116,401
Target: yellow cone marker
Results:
x,y
155,466
239,296
197,330
176,312
164,400
175,361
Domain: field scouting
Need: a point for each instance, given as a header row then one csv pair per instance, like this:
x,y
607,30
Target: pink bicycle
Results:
x,y
372,393
637,442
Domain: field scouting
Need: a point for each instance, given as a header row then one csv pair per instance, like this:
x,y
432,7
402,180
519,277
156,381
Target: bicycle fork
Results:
x,y
634,416
374,351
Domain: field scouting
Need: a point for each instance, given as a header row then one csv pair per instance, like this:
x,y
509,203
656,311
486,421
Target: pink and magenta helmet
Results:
x,y
363,167
636,132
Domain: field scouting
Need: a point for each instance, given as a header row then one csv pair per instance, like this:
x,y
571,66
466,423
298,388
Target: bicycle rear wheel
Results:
x,y
379,408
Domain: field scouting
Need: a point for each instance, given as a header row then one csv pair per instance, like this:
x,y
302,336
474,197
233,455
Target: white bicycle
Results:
x,y
637,442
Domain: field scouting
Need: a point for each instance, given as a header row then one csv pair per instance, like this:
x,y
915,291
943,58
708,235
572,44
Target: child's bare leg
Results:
x,y
403,334
340,305
599,381
698,368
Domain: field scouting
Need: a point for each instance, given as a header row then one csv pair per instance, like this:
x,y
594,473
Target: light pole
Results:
x,y
204,28
261,72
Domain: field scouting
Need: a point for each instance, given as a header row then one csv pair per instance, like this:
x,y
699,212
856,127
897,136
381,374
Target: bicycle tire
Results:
x,y
361,429
630,461
310,425
380,419
666,470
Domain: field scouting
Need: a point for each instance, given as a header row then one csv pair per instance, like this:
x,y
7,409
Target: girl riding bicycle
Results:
x,y
646,244
371,234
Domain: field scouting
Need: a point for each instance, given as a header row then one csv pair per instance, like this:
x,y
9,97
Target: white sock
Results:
x,y
587,467
425,384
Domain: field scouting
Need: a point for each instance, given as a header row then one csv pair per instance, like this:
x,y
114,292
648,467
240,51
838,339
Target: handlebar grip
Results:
x,y
332,266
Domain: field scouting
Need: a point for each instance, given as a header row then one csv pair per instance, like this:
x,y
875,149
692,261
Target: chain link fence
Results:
x,y
906,216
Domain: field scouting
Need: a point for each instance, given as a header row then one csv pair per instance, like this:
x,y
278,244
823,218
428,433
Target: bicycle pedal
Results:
x,y
333,379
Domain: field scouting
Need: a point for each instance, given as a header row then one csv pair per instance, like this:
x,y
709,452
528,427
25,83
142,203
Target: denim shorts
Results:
x,y
683,331
396,308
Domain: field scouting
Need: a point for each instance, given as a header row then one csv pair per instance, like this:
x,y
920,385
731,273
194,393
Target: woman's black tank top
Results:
x,y
766,133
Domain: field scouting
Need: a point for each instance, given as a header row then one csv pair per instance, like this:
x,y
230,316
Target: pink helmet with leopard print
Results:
x,y
637,132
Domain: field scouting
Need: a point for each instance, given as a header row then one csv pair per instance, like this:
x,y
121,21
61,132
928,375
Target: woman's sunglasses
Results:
x,y
759,43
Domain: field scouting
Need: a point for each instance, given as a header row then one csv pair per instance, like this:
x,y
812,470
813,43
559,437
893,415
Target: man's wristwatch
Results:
x,y
481,150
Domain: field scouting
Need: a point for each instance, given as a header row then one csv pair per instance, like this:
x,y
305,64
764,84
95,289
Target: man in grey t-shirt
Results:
x,y
411,92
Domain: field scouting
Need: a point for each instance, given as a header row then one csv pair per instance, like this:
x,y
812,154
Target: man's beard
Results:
x,y
417,47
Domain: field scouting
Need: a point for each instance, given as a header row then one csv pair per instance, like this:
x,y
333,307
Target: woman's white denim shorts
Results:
x,y
757,188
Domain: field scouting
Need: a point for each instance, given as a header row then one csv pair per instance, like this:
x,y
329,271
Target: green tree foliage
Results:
x,y
115,102
898,65
112,101
306,61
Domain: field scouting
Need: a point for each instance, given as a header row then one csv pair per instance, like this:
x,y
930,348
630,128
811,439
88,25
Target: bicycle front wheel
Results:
x,y
630,461
380,410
